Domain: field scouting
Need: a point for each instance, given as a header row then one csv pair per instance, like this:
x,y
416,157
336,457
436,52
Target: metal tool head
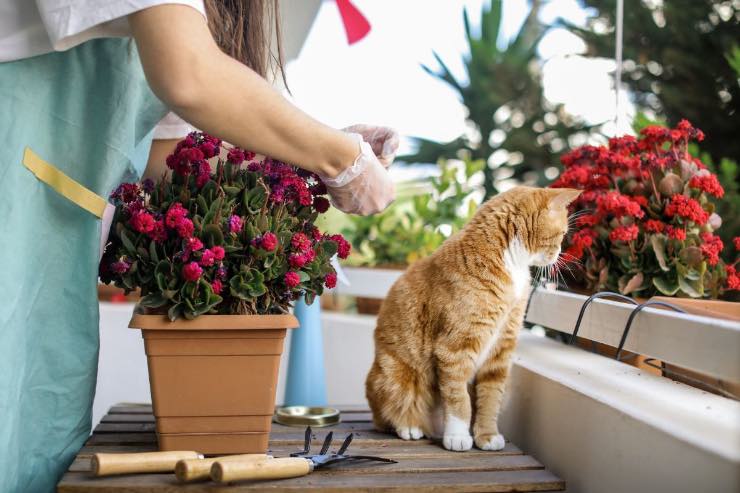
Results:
x,y
324,458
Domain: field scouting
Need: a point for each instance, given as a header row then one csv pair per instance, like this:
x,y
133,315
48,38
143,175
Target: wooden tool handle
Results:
x,y
109,464
289,467
200,469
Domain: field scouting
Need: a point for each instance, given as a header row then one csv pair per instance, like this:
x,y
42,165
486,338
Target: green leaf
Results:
x,y
634,284
153,252
175,312
212,235
153,300
303,276
202,205
658,243
127,243
668,287
695,289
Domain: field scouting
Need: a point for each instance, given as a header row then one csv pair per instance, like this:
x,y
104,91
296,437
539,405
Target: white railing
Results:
x,y
707,345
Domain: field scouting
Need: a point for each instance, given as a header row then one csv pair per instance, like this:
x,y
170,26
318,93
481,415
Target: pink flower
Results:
x,y
292,279
235,224
158,233
343,246
192,271
193,244
330,280
269,241
297,260
321,204
174,213
184,227
217,286
300,242
207,259
143,222
218,253
121,266
235,155
624,233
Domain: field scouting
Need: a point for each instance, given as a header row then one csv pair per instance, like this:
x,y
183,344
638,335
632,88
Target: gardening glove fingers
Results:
x,y
107,219
365,187
383,140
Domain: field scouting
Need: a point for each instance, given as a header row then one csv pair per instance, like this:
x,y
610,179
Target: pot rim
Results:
x,y
214,322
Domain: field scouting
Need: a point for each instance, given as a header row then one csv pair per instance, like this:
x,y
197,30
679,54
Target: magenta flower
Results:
x,y
217,286
330,281
143,222
192,271
343,246
269,241
184,227
235,156
121,266
218,253
207,259
175,213
300,242
193,244
297,260
321,204
235,224
292,279
158,233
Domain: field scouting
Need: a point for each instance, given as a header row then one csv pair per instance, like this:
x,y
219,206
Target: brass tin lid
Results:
x,y
307,416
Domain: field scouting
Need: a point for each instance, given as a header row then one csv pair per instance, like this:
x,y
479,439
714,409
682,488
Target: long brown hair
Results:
x,y
244,30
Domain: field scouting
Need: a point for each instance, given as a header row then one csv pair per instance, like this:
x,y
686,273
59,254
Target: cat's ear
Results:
x,y
561,197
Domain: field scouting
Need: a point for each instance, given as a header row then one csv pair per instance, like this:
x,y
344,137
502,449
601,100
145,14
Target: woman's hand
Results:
x,y
383,140
365,187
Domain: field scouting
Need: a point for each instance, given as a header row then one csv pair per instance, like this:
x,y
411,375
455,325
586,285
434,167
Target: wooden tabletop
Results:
x,y
422,465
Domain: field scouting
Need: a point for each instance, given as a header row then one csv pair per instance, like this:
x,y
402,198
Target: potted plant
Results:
x,y
645,223
416,224
219,256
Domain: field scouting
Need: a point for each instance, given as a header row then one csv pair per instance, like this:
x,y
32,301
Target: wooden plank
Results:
x,y
125,408
329,481
141,427
704,344
461,463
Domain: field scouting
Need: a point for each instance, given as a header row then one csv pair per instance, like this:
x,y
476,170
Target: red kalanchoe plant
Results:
x,y
239,239
644,224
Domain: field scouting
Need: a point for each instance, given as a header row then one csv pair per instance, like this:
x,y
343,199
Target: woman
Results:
x,y
88,103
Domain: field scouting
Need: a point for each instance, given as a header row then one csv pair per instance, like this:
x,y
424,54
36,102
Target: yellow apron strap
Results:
x,y
63,184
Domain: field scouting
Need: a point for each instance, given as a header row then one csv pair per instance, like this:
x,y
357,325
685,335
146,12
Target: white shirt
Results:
x,y
29,28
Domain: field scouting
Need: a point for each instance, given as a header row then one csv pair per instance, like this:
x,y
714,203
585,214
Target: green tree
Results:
x,y
679,58
505,102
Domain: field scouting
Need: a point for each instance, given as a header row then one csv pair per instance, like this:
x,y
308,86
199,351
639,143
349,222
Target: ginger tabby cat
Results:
x,y
451,321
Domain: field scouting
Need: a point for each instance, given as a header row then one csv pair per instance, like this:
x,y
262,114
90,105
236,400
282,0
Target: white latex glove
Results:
x,y
107,219
383,140
365,187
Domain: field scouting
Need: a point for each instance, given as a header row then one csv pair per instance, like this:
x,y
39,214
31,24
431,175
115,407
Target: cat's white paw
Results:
x,y
490,442
458,443
410,432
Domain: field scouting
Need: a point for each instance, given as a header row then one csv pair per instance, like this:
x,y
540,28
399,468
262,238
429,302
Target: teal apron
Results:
x,y
89,112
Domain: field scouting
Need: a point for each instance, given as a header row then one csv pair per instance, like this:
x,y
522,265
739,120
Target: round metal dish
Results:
x,y
307,416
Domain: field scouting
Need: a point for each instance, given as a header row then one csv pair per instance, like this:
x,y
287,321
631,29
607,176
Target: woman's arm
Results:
x,y
187,70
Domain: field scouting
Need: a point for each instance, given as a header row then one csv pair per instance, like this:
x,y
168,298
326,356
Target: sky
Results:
x,y
380,80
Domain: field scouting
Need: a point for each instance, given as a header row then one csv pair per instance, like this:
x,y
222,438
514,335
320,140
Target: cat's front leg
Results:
x,y
453,388
490,383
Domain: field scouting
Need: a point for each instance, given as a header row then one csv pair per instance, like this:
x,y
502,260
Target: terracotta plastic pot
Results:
x,y
213,379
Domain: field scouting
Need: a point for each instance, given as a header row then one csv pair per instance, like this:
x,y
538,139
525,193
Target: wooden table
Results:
x,y
422,465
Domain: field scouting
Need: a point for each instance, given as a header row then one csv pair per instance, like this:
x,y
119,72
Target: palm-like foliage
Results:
x,y
503,93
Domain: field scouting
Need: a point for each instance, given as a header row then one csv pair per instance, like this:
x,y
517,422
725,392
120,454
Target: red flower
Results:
x,y
654,226
733,279
321,204
709,184
217,286
207,259
343,246
300,242
686,208
711,248
184,227
218,253
158,233
192,271
330,281
175,213
675,233
736,242
235,155
618,205
624,233
269,241
297,260
143,222
292,279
